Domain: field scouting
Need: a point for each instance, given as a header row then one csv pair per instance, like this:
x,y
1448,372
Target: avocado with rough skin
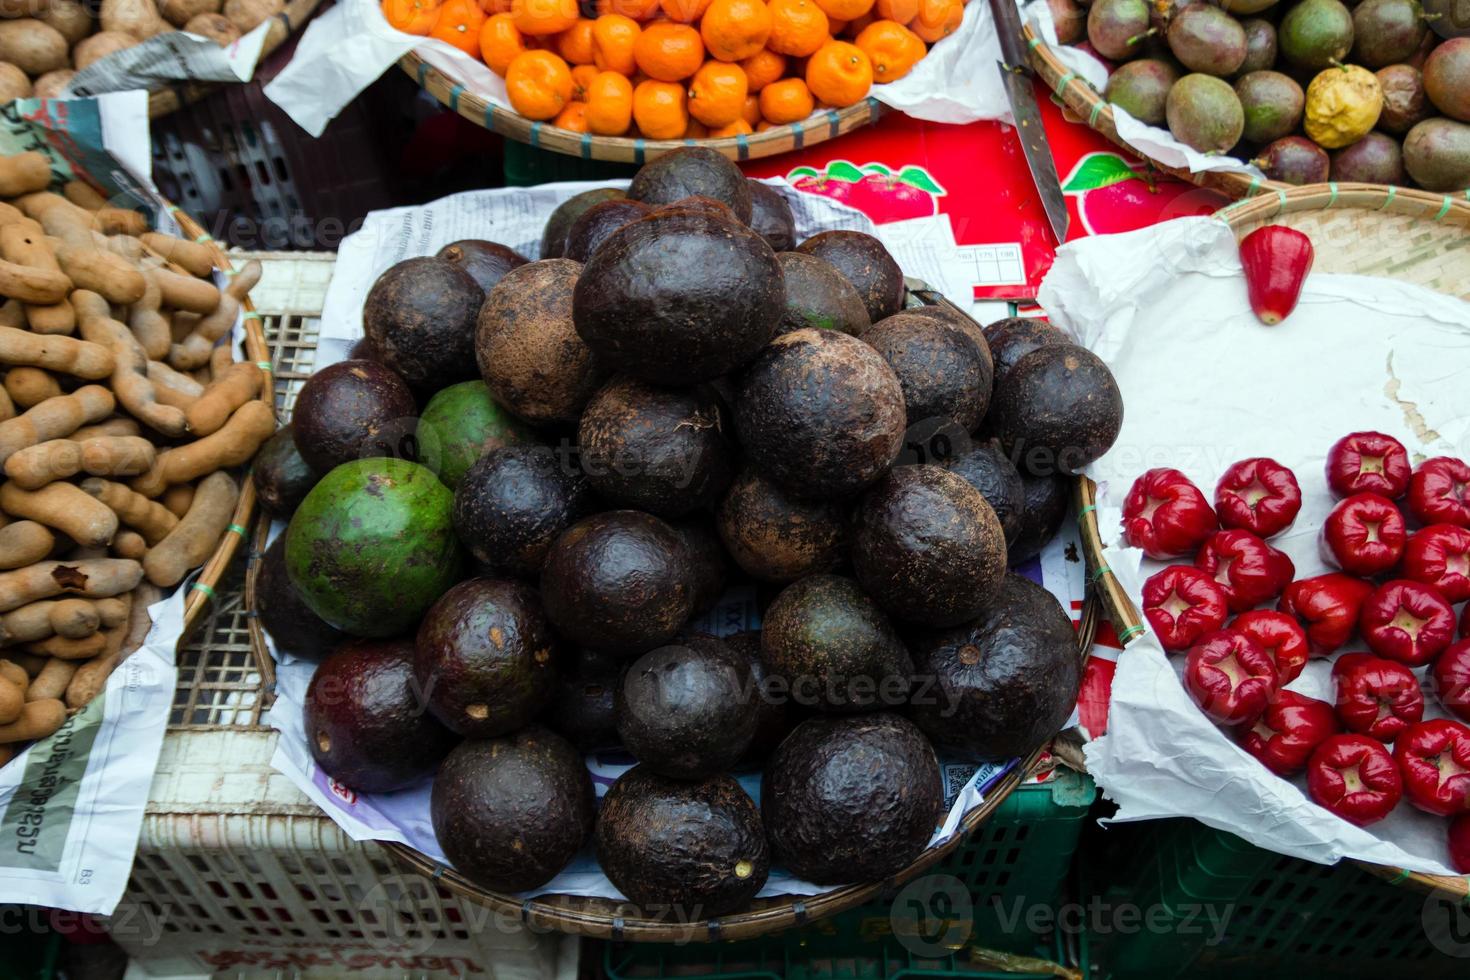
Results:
x,y
776,537
510,813
583,702
599,221
693,171
285,615
832,647
281,474
661,450
373,546
1057,410
1004,683
678,297
420,317
771,217
1045,509
986,468
1014,337
461,423
683,709
365,723
865,262
851,799
926,545
514,501
943,371
703,205
527,345
820,413
619,581
695,846
554,237
486,262
709,564
353,410
485,657
819,296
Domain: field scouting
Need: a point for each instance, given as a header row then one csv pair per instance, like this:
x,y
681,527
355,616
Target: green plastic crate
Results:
x,y
526,166
1287,917
1019,858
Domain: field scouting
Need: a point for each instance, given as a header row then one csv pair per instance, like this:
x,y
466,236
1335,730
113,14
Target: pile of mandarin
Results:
x,y
684,69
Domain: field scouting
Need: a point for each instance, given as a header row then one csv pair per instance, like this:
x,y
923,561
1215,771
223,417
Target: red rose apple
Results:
x,y
1182,604
1460,843
1248,569
1407,621
1291,728
1434,760
1166,515
1439,555
1279,635
1368,462
1439,492
1230,677
1354,777
1327,606
1376,697
1259,495
1364,535
1451,678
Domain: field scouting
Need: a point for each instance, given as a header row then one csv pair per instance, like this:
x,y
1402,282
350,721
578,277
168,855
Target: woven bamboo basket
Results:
x,y
1409,235
1087,104
163,101
609,919
825,125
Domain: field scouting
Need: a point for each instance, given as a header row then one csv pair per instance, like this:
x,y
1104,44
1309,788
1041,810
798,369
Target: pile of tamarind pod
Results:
x,y
121,412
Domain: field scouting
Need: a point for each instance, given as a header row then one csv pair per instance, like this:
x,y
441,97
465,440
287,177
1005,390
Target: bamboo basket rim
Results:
x,y
1370,199
171,97
824,125
1088,104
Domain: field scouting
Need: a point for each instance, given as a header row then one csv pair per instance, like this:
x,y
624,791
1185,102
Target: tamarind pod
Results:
x,y
190,543
90,267
24,173
194,350
83,195
194,257
12,701
15,674
25,244
148,517
29,386
54,418
181,292
68,649
91,578
51,683
37,720
122,640
81,358
236,386
234,443
120,221
65,507
60,459
177,498
174,387
149,325
130,372
24,542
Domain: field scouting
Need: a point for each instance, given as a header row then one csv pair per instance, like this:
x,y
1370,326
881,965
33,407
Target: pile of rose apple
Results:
x,y
1400,539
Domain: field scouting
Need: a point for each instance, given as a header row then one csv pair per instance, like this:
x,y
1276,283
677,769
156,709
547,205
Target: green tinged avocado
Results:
x,y
510,813
372,546
851,799
554,238
864,262
819,296
282,476
462,422
697,847
485,657
1004,683
285,615
776,537
512,504
365,723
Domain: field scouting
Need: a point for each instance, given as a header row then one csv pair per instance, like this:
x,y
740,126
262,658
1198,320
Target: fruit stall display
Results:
x,y
676,397
123,418
1307,90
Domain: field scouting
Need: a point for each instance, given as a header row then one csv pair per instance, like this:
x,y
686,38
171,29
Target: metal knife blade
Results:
x,y
1016,76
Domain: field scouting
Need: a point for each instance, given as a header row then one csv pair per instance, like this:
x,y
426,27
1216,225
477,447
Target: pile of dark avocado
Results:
x,y
503,573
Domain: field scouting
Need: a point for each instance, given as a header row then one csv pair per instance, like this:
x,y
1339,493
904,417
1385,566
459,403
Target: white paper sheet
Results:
x,y
171,57
1205,384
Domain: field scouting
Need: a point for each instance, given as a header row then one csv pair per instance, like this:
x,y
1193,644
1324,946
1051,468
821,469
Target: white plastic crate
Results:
x,y
237,873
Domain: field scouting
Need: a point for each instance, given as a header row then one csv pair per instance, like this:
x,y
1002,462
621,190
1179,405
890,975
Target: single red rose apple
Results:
x,y
1230,677
1287,733
1245,566
1182,604
1327,606
1450,676
1368,462
1279,635
1364,535
1434,760
1354,777
1407,621
1439,555
1259,495
1376,697
1439,492
1166,515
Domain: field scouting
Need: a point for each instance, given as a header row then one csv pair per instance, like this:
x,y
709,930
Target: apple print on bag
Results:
x,y
874,188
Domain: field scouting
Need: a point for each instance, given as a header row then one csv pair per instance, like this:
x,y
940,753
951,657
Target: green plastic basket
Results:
x,y
1287,917
526,166
1018,859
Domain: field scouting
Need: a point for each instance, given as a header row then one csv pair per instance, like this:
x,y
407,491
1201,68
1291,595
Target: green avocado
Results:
x,y
373,546
461,422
